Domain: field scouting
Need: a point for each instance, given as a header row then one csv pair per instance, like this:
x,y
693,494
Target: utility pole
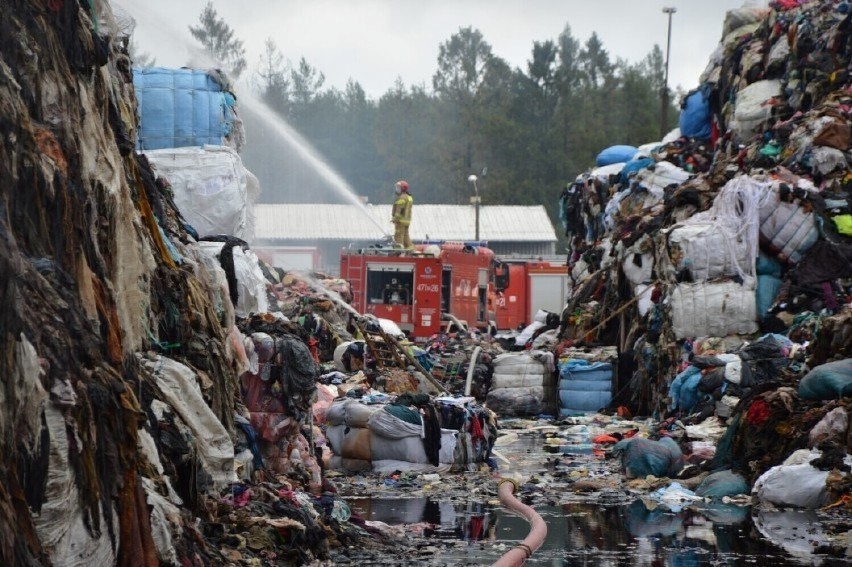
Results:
x,y
664,98
475,200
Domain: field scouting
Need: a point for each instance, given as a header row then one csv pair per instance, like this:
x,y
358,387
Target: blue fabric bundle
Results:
x,y
181,108
694,120
615,154
584,387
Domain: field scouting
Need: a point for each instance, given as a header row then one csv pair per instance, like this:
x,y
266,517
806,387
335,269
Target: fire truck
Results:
x,y
523,286
421,289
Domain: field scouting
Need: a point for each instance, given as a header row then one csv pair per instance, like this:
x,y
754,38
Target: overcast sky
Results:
x,y
376,41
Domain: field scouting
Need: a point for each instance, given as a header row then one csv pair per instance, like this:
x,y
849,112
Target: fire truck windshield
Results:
x,y
390,287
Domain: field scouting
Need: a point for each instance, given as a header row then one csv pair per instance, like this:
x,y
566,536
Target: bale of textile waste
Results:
x,y
708,250
787,229
211,188
584,386
346,411
828,381
642,457
722,483
362,444
517,370
713,309
615,154
387,425
182,107
516,402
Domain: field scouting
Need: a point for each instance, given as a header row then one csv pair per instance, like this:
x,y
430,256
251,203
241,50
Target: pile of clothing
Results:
x,y
718,261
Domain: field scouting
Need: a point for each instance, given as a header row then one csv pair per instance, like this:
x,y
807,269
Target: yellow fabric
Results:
x,y
844,224
402,209
401,236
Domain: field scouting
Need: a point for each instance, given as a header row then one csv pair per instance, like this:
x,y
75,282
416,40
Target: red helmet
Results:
x,y
402,185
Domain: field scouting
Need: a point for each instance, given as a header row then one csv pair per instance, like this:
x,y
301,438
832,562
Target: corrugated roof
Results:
x,y
497,223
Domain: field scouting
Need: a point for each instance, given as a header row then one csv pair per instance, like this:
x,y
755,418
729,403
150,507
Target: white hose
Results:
x,y
471,367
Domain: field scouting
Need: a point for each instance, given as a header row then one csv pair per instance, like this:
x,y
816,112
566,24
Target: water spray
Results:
x,y
251,104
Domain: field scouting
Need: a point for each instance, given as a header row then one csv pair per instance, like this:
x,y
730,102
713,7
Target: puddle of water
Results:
x,y
588,533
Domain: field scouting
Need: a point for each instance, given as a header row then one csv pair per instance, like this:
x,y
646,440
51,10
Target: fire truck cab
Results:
x,y
414,288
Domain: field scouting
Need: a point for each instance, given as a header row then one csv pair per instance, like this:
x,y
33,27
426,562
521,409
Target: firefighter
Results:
x,y
402,215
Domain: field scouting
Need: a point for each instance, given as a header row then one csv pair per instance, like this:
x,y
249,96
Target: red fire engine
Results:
x,y
415,288
523,286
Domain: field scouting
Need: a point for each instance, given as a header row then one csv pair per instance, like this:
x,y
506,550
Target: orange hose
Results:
x,y
519,554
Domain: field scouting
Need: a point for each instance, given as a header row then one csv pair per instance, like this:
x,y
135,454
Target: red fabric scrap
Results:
x,y
758,413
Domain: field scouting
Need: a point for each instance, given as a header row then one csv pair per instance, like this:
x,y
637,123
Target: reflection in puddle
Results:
x,y
591,534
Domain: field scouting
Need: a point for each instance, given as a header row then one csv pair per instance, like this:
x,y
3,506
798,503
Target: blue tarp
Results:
x,y
583,386
615,154
828,381
684,389
181,108
635,165
767,290
721,484
768,266
694,121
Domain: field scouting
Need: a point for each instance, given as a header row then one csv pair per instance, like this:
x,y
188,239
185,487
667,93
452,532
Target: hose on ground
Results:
x,y
519,554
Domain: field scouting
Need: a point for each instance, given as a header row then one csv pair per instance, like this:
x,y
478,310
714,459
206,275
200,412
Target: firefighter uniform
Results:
x,y
402,216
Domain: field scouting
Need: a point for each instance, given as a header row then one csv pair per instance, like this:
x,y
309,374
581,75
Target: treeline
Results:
x,y
530,130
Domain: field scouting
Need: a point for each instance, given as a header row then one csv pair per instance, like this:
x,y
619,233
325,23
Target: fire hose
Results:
x,y
519,554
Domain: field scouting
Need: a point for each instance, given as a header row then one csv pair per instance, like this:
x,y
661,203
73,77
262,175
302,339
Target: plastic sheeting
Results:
x,y
181,391
61,524
211,188
753,108
251,284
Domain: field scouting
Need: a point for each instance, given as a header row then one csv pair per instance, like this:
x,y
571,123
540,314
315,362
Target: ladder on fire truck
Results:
x,y
389,353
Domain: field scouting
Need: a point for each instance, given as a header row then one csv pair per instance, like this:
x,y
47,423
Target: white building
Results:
x,y
310,236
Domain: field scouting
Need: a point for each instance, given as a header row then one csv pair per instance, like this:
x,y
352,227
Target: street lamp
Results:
x,y
664,108
475,201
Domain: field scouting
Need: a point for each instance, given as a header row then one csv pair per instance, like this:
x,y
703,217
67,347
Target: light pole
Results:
x,y
664,106
475,200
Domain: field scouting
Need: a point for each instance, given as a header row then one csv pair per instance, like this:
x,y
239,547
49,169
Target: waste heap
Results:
x,y
124,437
719,260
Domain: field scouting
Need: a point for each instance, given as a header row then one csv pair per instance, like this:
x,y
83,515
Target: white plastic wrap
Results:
x,y
751,110
713,309
210,185
709,250
788,229
251,284
60,524
181,391
525,380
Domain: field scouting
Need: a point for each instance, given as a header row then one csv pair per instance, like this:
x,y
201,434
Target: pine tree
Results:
x,y
219,42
